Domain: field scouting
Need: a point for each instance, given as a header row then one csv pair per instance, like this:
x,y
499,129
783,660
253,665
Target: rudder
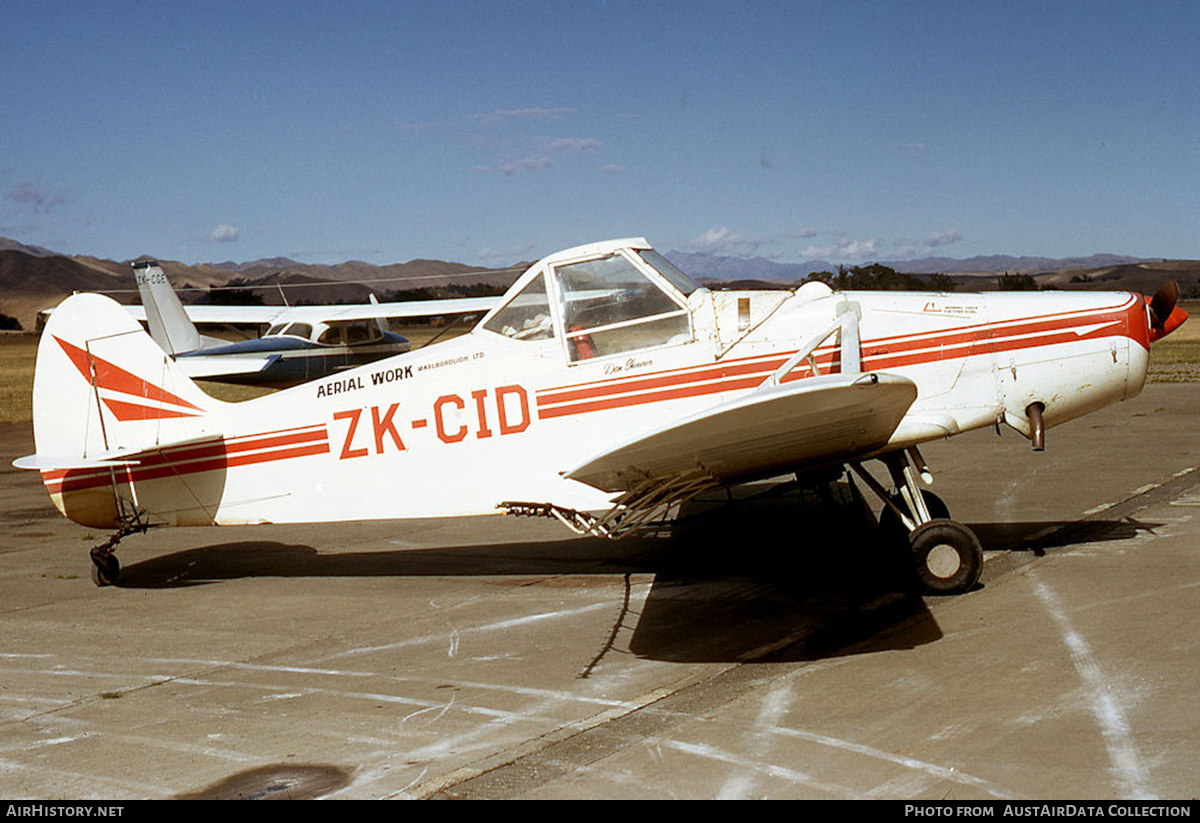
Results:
x,y
170,327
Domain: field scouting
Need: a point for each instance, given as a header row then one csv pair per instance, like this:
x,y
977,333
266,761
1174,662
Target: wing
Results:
x,y
208,313
776,429
411,308
205,313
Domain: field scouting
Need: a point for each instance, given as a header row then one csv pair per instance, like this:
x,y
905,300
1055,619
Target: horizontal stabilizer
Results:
x,y
52,462
793,426
121,457
201,366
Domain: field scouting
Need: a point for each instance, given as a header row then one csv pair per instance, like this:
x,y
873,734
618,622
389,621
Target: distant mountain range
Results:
x,y
7,244
719,267
33,278
698,264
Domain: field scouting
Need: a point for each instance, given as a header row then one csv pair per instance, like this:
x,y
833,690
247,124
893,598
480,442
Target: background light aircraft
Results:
x,y
605,390
300,344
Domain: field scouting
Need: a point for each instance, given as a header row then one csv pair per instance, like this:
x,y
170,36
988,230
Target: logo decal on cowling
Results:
x,y
142,400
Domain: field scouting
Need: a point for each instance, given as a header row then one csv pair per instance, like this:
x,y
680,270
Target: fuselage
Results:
x,y
502,412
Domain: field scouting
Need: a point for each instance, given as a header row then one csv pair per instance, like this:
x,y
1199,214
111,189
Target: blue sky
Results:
x,y
496,131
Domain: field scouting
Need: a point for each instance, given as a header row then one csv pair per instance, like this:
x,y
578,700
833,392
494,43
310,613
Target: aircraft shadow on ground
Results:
x,y
726,588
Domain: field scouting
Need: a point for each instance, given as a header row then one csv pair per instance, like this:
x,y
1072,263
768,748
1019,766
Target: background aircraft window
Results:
x,y
526,316
299,330
609,307
276,329
357,333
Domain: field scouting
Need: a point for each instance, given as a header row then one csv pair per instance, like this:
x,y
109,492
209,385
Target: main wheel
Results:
x,y
949,559
106,569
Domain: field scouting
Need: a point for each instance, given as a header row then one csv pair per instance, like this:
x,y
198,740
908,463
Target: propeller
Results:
x,y
1165,316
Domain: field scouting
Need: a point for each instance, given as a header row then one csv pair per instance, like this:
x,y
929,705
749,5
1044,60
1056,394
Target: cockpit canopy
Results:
x,y
600,300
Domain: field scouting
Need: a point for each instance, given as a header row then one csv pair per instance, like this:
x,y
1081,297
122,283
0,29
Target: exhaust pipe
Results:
x,y
1037,427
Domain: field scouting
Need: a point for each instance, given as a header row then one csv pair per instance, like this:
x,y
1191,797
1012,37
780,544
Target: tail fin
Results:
x,y
381,322
102,388
169,324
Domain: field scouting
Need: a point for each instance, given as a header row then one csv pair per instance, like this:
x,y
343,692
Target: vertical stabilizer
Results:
x,y
106,402
381,322
169,324
102,386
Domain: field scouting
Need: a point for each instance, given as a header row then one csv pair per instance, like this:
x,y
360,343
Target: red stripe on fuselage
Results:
x,y
879,354
193,458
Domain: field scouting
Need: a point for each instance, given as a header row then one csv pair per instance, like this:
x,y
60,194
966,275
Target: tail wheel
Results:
x,y
106,569
949,559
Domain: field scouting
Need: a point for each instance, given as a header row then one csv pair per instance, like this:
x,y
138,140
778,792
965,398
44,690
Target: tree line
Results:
x,y
877,277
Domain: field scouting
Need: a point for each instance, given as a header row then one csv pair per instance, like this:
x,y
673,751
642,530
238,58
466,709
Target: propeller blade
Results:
x,y
1163,303
1165,316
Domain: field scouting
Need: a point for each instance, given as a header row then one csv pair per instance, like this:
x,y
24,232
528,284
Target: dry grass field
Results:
x,y
1174,360
17,355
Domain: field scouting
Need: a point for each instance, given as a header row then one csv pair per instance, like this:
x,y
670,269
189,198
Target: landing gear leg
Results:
x,y
946,556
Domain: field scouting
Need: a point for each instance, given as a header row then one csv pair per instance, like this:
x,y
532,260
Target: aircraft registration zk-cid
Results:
x,y
606,389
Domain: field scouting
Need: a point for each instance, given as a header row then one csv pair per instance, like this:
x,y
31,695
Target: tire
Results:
x,y
106,570
947,556
891,528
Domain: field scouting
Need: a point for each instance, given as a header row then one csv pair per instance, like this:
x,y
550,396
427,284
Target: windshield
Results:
x,y
526,316
668,270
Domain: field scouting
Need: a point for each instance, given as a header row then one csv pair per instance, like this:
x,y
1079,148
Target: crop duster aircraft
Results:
x,y
300,344
605,390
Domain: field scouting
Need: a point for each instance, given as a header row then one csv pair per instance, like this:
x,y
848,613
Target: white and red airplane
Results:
x,y
606,389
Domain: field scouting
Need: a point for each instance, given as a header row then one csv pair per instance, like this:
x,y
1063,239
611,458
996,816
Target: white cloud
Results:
x,y
844,247
859,249
494,257
498,116
611,168
838,246
526,164
573,145
943,238
724,241
224,233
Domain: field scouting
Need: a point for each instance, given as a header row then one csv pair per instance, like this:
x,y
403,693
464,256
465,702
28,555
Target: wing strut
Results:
x,y
846,327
